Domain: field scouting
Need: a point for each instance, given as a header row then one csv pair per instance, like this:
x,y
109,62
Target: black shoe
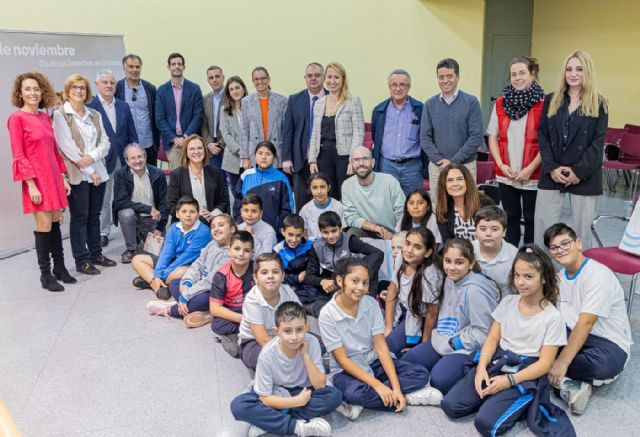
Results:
x,y
87,268
127,256
104,241
103,261
163,293
48,282
138,282
62,274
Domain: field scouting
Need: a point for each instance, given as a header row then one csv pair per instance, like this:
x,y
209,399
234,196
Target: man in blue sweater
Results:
x,y
451,126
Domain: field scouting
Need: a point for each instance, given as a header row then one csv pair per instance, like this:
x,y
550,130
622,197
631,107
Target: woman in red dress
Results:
x,y
38,164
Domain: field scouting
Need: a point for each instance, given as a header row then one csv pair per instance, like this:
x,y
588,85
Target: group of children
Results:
x,y
470,326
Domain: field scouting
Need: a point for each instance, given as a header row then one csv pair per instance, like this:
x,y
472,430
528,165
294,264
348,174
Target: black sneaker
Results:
x,y
103,261
163,293
138,282
87,268
104,241
127,256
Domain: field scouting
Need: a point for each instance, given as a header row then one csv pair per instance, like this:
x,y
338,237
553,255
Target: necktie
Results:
x,y
314,99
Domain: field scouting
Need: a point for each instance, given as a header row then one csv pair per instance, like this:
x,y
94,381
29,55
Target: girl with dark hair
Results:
x,y
418,211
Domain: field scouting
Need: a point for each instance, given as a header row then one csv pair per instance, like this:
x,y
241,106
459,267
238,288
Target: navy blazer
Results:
x,y
378,119
296,133
150,91
191,112
124,134
123,190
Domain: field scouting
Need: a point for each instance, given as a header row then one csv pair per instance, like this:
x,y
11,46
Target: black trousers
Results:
x,y
335,167
518,203
300,189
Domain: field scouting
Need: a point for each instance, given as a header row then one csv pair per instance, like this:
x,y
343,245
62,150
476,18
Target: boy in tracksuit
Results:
x,y
294,252
327,251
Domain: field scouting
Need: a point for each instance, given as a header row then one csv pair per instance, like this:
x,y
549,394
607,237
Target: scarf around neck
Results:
x,y
516,104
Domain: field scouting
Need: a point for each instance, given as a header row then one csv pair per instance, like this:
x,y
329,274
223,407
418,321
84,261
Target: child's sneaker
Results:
x,y
254,431
349,411
425,396
230,344
197,319
314,427
576,394
159,308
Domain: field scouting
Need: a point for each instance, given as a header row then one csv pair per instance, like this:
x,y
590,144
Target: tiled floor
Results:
x,y
91,362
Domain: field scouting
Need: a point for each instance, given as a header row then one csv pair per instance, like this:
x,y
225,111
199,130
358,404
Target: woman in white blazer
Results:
x,y
261,118
338,128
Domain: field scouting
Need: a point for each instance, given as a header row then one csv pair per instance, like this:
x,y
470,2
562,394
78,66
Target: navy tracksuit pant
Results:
x,y
249,408
410,376
598,360
498,413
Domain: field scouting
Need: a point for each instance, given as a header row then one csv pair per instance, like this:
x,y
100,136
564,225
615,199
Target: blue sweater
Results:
x,y
181,249
452,132
272,186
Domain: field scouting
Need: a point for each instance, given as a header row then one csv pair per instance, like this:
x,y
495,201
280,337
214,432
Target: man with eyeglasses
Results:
x,y
373,202
120,128
451,126
141,97
298,123
395,128
178,109
591,301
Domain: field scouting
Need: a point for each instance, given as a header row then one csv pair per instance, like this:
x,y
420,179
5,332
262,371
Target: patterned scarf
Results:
x,y
516,103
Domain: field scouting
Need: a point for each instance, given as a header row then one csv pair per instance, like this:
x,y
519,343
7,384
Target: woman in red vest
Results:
x,y
513,142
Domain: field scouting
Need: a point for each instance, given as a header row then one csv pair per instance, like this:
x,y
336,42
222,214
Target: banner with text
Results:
x,y
57,55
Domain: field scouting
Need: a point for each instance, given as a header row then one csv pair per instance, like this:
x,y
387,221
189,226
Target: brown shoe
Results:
x,y
197,319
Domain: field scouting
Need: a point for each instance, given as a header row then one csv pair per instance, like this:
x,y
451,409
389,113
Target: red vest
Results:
x,y
531,147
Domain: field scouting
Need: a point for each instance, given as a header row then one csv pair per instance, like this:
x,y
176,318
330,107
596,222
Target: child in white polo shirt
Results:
x,y
260,305
352,330
591,300
290,365
494,254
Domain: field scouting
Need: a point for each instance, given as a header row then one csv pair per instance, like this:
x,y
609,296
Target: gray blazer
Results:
x,y
208,130
349,127
231,133
251,125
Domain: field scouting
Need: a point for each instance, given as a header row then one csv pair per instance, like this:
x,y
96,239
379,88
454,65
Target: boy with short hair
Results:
x,y
181,247
494,254
293,251
229,287
264,237
328,250
591,301
291,364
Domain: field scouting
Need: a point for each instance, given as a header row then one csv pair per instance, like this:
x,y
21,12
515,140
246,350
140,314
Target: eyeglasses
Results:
x,y
563,246
311,76
260,79
134,97
362,160
78,88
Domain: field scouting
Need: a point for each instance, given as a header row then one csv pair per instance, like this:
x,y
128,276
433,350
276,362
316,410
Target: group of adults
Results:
x,y
98,154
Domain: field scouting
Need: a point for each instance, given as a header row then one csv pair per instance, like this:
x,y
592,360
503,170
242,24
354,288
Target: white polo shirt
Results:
x,y
276,369
499,267
256,310
594,289
355,335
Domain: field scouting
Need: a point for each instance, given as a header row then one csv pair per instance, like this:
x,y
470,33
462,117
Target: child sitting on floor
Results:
x,y
290,365
319,188
264,237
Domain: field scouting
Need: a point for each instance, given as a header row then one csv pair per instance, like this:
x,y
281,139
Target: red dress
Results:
x,y
36,156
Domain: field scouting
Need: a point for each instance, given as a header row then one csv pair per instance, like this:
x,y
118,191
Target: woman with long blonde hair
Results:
x,y
338,128
571,138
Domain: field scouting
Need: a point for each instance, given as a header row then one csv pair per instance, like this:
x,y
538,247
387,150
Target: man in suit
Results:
x,y
178,109
140,95
121,131
211,124
395,128
139,200
297,131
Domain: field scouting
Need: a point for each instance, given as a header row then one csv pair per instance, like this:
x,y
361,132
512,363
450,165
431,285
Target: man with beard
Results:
x,y
373,202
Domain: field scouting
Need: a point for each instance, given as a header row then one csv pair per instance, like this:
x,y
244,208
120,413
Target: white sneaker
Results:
x,y
425,396
254,431
576,394
349,411
160,308
314,427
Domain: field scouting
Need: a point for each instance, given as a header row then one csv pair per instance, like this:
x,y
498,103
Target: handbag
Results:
x,y
153,243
